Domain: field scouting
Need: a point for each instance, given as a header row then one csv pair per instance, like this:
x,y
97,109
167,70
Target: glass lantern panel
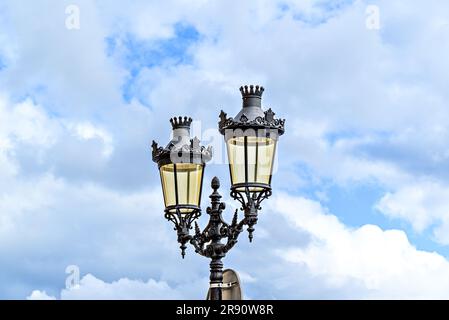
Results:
x,y
189,178
236,156
251,160
189,183
266,149
168,184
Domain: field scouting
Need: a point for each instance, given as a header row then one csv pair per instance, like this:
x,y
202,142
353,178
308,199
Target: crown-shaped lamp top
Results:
x,y
252,91
181,122
252,95
181,130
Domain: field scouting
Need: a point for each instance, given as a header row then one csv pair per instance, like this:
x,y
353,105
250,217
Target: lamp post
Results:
x,y
251,139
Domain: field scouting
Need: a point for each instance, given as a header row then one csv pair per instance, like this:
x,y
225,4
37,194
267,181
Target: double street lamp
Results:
x,y
251,139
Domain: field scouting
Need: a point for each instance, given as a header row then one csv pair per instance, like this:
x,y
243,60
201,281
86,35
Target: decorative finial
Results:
x,y
154,146
183,248
155,150
215,184
250,233
181,122
223,116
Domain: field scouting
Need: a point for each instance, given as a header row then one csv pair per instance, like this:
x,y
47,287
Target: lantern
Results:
x,y
181,166
251,138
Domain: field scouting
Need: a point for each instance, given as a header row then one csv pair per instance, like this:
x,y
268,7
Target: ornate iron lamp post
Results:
x,y
251,139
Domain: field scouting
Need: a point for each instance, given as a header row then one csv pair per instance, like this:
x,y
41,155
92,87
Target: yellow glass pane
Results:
x,y
188,191
251,150
195,186
168,184
236,156
182,178
189,183
258,153
265,158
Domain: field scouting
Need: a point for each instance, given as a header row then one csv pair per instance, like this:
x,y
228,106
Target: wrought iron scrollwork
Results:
x,y
208,242
183,225
267,122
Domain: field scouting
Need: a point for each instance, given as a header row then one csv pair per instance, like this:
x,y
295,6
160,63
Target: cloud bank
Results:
x,y
364,108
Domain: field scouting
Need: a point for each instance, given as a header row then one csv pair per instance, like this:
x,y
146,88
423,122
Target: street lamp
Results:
x,y
251,139
181,167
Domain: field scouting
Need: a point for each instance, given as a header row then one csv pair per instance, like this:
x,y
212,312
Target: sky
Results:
x,y
360,205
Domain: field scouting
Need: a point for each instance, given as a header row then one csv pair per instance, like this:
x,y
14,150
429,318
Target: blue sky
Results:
x,y
360,204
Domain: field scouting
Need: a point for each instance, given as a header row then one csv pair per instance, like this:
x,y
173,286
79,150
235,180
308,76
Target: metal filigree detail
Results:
x,y
248,198
250,202
194,148
267,122
157,151
183,225
208,241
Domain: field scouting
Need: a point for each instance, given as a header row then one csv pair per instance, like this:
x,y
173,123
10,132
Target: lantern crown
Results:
x,y
181,122
252,116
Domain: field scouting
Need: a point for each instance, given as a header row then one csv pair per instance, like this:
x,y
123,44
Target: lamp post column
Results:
x,y
215,248
216,279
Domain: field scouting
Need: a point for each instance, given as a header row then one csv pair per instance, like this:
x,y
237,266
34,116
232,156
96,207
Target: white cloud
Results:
x,y
88,131
341,87
378,263
91,288
336,262
77,183
32,140
27,123
424,204
65,69
40,295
